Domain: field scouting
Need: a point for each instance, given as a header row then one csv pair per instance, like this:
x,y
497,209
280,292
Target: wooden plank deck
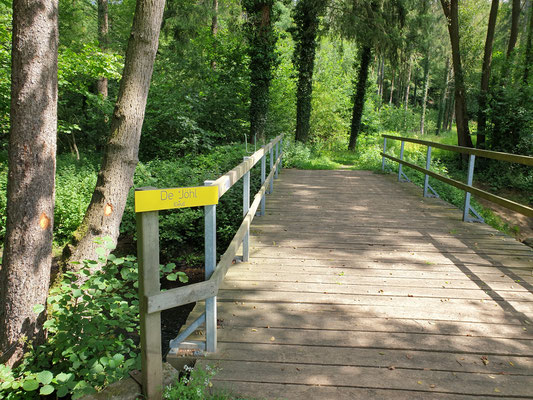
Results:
x,y
360,288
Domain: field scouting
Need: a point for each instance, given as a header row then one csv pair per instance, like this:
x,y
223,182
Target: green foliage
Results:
x,y
5,73
93,332
192,386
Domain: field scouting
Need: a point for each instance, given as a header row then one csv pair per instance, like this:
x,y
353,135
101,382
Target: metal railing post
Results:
x,y
263,178
469,180
400,166
281,152
384,151
210,240
150,324
271,167
245,208
277,156
426,177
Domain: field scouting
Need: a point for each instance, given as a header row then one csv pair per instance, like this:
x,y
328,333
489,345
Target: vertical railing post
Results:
x,y
271,167
281,152
150,326
245,208
210,217
400,166
426,178
277,156
384,151
469,181
263,177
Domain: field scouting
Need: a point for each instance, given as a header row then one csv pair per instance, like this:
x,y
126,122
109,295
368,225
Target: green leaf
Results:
x,y
100,251
6,385
38,308
47,389
45,377
63,378
30,385
119,358
62,391
172,277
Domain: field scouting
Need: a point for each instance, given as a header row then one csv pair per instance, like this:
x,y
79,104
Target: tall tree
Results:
x,y
425,95
25,273
485,76
451,11
214,28
306,18
261,45
515,17
121,153
528,58
359,97
103,40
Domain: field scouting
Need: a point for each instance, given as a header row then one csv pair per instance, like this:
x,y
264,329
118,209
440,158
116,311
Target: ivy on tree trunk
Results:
x,y
306,15
261,45
359,98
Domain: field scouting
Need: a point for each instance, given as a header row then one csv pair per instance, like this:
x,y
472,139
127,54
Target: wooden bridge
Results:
x,y
358,287
351,285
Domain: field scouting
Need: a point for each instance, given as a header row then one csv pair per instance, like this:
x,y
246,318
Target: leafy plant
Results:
x,y
93,332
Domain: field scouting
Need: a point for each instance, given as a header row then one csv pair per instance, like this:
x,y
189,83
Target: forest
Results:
x,y
100,97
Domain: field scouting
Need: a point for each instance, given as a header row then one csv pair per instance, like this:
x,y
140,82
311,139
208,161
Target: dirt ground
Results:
x,y
524,224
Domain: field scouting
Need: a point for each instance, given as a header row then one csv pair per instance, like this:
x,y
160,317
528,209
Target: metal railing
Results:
x,y
467,187
153,301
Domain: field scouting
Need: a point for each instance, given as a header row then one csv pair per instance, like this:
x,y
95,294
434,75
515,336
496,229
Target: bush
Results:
x,y
93,332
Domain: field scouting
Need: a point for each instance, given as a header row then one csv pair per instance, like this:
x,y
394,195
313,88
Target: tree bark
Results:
x,y
485,76
515,17
27,258
121,153
359,99
451,11
103,41
408,85
444,98
214,28
528,59
425,98
392,87
306,18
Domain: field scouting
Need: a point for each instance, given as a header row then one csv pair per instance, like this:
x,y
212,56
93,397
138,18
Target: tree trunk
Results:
x,y
408,85
214,28
528,59
261,51
444,98
27,258
392,87
485,76
359,99
451,11
515,17
425,98
306,18
121,153
103,30
381,79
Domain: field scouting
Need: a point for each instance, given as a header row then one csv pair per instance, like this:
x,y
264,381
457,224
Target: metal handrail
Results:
x,y
495,155
468,188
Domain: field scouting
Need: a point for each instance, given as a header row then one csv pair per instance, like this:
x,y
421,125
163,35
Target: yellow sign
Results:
x,y
166,199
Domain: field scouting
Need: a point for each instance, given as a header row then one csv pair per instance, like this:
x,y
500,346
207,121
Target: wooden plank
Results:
x,y
299,391
377,378
150,322
367,357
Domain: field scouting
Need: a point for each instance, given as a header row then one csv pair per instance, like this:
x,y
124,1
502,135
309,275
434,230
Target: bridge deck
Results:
x,y
358,287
